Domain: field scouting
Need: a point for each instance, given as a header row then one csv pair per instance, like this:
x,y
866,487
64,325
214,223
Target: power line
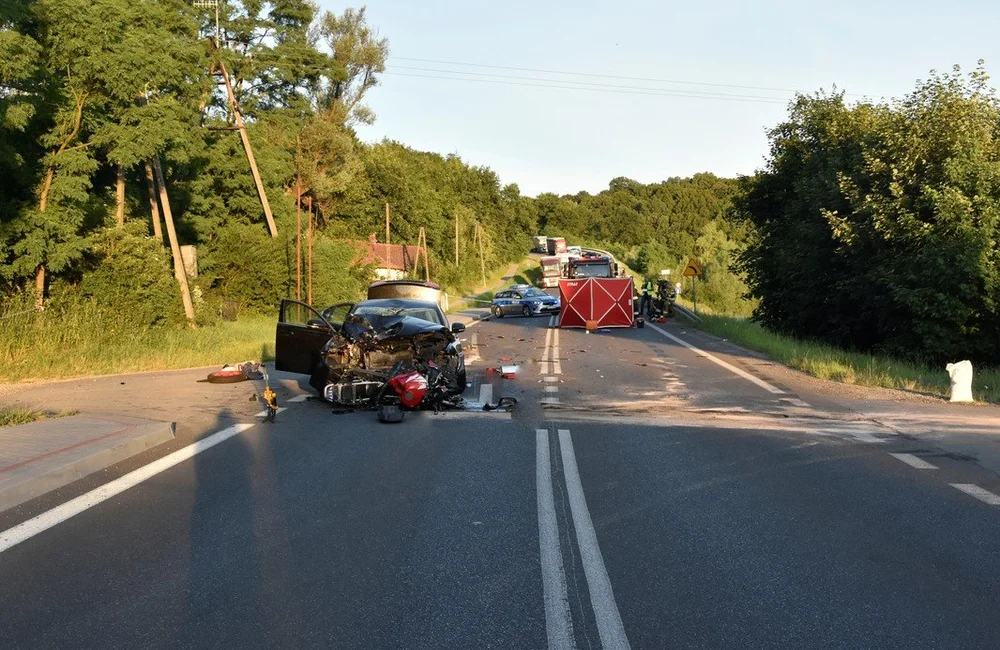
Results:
x,y
585,83
592,74
656,93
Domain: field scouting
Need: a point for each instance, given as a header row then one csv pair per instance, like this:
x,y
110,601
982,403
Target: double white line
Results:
x,y
550,353
558,618
550,362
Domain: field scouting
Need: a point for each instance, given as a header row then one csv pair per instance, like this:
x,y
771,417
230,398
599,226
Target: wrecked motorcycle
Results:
x,y
373,357
422,387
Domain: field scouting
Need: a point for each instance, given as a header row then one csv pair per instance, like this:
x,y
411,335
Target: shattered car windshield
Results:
x,y
415,312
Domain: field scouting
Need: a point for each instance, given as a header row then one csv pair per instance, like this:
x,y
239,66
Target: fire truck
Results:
x,y
591,267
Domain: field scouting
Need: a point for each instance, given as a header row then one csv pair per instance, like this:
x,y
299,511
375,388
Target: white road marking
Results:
x,y
297,399
545,350
551,379
728,366
556,363
551,389
549,400
913,461
59,514
864,436
475,341
486,394
602,598
263,413
982,494
794,401
558,620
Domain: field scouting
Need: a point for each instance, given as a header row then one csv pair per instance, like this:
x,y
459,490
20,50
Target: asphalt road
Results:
x,y
644,494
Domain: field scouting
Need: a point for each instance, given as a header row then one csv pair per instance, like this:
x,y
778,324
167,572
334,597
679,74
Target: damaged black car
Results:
x,y
351,350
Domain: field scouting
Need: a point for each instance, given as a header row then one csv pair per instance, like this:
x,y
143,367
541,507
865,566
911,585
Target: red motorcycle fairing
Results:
x,y
411,388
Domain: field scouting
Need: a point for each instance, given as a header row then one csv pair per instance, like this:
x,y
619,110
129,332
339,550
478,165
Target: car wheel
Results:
x,y
498,312
526,311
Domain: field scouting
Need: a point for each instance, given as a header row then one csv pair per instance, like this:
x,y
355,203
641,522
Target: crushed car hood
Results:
x,y
377,328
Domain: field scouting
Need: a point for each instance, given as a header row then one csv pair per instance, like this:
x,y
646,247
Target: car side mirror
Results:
x,y
457,328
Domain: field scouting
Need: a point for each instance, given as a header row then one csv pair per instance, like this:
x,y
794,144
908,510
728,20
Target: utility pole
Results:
x,y
422,251
387,233
309,259
179,271
209,4
298,238
482,257
238,115
120,196
154,209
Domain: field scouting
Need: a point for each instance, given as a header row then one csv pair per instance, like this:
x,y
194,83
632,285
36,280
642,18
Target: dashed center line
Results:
x,y
913,461
551,389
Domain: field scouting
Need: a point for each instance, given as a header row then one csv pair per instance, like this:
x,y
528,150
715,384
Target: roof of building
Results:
x,y
399,257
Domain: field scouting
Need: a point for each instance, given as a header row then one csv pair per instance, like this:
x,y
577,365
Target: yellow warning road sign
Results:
x,y
693,269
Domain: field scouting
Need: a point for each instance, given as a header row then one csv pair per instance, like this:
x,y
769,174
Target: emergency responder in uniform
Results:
x,y
645,303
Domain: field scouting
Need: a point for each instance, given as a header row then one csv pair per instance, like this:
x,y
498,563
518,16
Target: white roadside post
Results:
x,y
961,381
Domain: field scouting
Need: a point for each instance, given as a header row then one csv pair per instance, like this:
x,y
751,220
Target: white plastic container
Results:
x,y
961,381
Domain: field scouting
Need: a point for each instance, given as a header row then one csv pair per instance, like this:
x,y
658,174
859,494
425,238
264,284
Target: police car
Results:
x,y
525,301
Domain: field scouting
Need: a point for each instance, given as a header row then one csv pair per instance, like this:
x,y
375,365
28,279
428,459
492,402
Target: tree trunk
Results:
x,y
179,272
154,209
43,199
120,197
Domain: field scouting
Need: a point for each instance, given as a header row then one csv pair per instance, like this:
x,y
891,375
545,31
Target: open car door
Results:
x,y
336,314
299,337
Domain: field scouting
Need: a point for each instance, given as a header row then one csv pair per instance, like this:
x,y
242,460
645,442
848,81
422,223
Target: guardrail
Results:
x,y
687,313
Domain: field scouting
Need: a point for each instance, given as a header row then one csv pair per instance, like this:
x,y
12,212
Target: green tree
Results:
x,y
875,225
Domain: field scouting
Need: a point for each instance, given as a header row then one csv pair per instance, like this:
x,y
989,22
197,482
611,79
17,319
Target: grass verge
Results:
x,y
13,415
86,341
61,350
827,362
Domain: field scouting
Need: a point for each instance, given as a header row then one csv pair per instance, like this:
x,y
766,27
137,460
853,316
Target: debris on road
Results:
x,y
505,404
230,374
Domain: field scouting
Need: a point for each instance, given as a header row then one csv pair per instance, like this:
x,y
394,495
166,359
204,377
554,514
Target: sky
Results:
x,y
627,114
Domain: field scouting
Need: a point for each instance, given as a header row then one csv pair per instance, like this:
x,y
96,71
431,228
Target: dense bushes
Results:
x,y
876,225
